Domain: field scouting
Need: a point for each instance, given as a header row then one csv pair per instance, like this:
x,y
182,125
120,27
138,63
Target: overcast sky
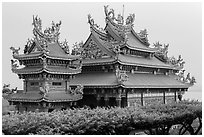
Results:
x,y
177,24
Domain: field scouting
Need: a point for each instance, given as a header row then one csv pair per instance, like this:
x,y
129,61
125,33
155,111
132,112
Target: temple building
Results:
x,y
116,66
46,68
121,68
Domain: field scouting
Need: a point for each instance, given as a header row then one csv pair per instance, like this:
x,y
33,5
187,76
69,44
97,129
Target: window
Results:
x,y
56,83
34,83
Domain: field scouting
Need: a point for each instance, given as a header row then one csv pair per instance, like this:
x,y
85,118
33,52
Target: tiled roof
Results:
x,y
55,51
102,43
153,81
134,43
49,97
26,97
128,60
95,79
134,81
149,62
61,96
52,70
28,56
98,61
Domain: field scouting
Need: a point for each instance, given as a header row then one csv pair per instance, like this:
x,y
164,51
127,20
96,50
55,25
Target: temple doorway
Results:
x,y
89,100
112,101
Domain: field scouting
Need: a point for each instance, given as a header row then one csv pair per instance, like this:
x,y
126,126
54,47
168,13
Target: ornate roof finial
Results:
x,y
130,19
14,50
14,64
110,14
49,34
65,46
77,48
78,90
143,33
90,20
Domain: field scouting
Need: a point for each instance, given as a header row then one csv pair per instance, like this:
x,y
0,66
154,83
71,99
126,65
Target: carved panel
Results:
x,y
92,51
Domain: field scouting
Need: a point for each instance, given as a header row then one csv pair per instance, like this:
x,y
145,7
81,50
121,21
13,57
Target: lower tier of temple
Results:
x,y
109,97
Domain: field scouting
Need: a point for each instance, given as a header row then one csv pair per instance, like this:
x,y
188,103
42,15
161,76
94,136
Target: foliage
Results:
x,y
157,119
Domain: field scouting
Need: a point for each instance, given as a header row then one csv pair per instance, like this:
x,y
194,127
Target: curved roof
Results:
x,y
140,61
49,69
136,44
26,97
61,96
55,52
36,96
128,60
87,62
138,80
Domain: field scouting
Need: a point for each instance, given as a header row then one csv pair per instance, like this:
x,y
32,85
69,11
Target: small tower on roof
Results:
x,y
46,68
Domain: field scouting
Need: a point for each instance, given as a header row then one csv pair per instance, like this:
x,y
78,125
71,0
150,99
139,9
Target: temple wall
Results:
x,y
150,98
31,85
169,99
134,101
153,100
62,87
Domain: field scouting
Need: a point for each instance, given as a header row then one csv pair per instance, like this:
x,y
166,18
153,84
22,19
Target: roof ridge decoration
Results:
x,y
143,35
94,25
100,30
64,45
14,65
77,48
188,80
162,50
162,54
119,21
77,90
15,51
50,34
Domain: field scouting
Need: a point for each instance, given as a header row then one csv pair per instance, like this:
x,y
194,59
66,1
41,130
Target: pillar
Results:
x,y
106,99
175,96
66,86
25,85
124,100
118,97
164,97
98,99
118,101
142,102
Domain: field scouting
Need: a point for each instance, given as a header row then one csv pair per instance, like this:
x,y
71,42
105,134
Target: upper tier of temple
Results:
x,y
118,42
44,53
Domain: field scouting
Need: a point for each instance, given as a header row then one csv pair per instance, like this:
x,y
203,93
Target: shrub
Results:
x,y
154,119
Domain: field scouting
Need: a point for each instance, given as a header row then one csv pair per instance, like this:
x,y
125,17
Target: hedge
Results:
x,y
157,119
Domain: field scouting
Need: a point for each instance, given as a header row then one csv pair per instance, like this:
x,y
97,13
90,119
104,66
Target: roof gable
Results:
x,y
92,49
135,42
